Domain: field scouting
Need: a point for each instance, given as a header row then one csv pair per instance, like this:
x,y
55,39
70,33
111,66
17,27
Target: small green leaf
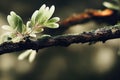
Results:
x,y
38,30
20,26
33,35
44,36
28,27
33,18
16,39
45,16
53,20
52,25
8,28
3,38
28,24
24,29
32,56
41,14
24,54
50,12
12,19
111,5
15,22
6,37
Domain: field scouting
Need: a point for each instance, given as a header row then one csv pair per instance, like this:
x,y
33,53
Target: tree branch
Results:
x,y
106,15
102,34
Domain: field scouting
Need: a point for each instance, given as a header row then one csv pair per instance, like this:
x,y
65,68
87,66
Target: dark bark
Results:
x,y
102,34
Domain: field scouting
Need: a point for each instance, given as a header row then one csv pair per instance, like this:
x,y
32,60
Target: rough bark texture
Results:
x,y
102,34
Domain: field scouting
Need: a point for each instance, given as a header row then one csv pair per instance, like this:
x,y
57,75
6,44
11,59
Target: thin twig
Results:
x,y
102,34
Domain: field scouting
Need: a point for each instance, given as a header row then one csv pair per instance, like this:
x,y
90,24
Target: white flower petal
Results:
x,y
32,56
24,54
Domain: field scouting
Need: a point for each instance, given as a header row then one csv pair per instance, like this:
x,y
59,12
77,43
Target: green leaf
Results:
x,y
44,36
28,27
50,12
15,22
20,26
28,24
41,14
52,25
8,28
33,35
33,18
6,37
24,54
11,19
32,56
3,38
47,14
38,30
111,5
53,20
16,39
24,29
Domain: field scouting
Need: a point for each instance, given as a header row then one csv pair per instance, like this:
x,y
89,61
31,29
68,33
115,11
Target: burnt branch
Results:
x,y
102,34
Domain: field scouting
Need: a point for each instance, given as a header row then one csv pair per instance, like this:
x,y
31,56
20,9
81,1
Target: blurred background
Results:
x,y
100,61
